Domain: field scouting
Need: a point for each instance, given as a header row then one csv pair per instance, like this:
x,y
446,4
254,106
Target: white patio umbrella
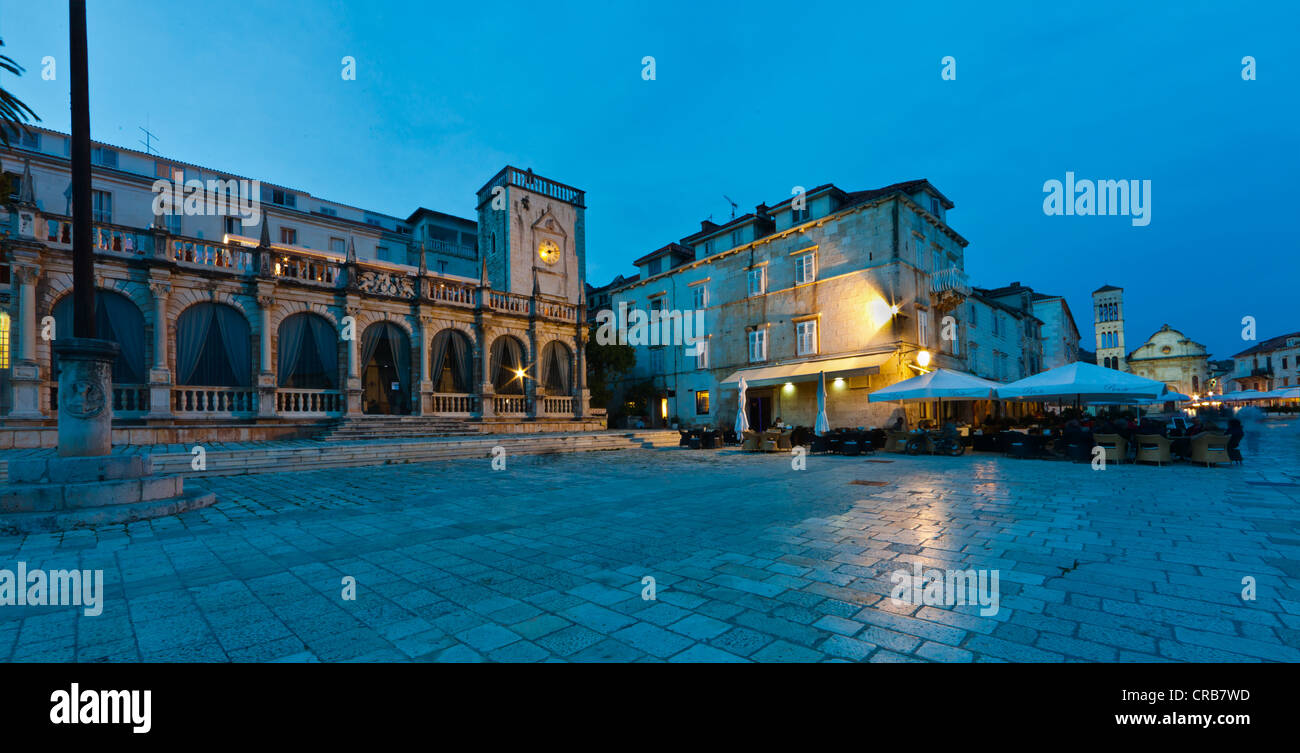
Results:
x,y
1241,396
823,425
1084,382
939,384
1285,393
742,421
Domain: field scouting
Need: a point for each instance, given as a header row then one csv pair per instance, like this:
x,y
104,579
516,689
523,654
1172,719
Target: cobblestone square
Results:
x,y
751,561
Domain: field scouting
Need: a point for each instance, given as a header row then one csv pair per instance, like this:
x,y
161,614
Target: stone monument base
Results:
x,y
60,493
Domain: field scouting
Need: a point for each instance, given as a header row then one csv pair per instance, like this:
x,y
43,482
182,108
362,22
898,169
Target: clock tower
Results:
x,y
532,228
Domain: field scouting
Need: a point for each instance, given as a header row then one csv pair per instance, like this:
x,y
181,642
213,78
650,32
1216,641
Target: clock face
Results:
x,y
549,251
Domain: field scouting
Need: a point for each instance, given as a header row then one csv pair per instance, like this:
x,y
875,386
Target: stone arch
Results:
x,y
120,319
213,347
451,360
307,351
508,357
385,358
555,367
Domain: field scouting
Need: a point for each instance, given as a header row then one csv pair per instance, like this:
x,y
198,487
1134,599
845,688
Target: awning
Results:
x,y
806,371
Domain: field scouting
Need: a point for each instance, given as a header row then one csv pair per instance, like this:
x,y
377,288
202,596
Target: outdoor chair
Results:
x,y
783,440
1115,446
820,443
729,437
686,438
851,444
1209,448
709,440
802,436
1019,445
1153,448
751,441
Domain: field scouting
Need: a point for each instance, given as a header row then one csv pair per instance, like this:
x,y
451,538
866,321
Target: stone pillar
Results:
x,y
424,386
160,377
483,364
352,388
266,383
581,395
85,396
26,372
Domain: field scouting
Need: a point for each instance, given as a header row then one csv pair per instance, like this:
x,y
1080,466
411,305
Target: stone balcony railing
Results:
x,y
949,287
307,268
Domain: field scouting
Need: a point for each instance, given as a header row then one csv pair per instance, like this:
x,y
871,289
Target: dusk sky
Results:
x,y
748,104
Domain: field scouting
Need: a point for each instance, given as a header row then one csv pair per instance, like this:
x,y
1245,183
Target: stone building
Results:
x,y
1171,357
317,312
1271,364
855,284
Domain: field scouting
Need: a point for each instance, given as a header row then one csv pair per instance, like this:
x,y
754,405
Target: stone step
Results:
x,y
24,498
62,520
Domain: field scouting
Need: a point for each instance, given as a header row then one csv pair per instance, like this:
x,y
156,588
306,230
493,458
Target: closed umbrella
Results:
x,y
823,425
742,421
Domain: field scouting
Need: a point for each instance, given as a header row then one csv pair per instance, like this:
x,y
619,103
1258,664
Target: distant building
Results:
x,y
1217,373
1060,333
1003,335
599,297
1269,365
1108,326
1171,357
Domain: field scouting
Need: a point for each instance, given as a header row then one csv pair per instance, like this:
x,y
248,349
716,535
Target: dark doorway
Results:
x,y
383,382
759,411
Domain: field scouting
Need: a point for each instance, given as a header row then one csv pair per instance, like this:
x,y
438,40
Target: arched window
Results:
x,y
386,381
213,347
451,366
508,373
116,319
308,353
557,368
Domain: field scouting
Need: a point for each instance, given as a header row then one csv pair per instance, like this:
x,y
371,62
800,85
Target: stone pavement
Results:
x,y
753,561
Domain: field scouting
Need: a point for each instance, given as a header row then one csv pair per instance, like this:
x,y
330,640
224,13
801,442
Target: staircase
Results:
x,y
365,428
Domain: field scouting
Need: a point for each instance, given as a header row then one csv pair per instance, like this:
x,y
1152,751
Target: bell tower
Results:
x,y
533,229
1108,324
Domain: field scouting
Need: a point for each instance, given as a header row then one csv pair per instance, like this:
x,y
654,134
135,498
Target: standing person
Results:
x,y
1235,432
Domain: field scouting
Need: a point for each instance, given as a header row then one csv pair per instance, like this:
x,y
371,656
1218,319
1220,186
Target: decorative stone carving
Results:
x,y
385,283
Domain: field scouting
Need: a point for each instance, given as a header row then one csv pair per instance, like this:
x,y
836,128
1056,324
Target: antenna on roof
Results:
x,y
148,138
733,205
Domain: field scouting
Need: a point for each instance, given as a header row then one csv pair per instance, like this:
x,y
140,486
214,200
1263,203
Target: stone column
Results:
x,y
353,342
581,395
266,382
424,386
85,395
26,372
160,376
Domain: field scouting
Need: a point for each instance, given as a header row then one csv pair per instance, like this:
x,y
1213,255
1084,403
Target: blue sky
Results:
x,y
749,104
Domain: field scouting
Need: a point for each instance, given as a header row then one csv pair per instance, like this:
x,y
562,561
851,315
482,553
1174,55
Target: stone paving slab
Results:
x,y
752,561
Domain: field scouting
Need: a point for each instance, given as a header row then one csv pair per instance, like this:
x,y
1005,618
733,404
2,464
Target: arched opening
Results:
x,y
308,353
213,347
118,319
557,368
451,366
508,372
386,380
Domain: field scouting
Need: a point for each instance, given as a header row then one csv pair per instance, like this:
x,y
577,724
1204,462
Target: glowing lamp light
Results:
x,y
923,358
839,381
789,387
895,309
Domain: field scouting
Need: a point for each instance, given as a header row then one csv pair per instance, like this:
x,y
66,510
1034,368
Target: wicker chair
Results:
x,y
751,441
1153,448
770,440
1209,448
783,440
1116,447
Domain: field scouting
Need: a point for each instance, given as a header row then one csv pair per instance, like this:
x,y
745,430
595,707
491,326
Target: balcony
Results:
x,y
949,287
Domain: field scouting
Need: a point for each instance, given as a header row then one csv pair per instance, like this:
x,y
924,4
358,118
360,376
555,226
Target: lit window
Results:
x,y
805,268
702,402
4,340
806,337
758,281
757,345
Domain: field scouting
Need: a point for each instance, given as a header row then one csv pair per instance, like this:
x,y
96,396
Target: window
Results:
x,y
995,318
4,340
234,226
338,246
381,253
974,320
934,206
701,299
936,259
656,360
288,236
173,222
806,337
29,140
329,212
708,247
757,345
799,215
174,173
103,157
283,198
101,206
701,402
655,266
735,238
923,328
805,268
657,304
758,281
15,184
702,354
